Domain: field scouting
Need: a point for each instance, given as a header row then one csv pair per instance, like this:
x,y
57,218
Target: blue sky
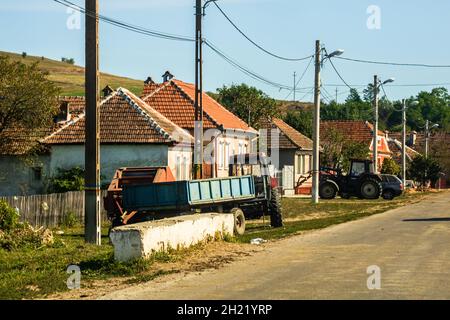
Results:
x,y
411,31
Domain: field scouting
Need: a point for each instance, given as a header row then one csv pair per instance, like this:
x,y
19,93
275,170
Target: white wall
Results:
x,y
180,162
112,157
225,147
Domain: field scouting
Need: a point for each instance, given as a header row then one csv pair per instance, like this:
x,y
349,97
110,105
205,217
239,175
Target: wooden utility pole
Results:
x,y
316,127
375,123
295,84
404,143
92,128
198,127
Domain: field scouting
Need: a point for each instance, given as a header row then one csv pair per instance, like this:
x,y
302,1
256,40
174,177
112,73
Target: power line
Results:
x,y
254,43
395,63
339,75
125,25
301,77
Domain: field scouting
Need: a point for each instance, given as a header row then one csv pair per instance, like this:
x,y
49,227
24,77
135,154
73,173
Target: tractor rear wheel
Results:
x,y
370,189
276,217
239,221
327,190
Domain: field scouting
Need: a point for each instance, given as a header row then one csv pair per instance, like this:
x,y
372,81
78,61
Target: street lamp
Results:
x,y
316,127
376,86
427,134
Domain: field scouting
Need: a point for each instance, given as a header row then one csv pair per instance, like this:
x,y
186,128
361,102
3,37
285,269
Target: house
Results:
x,y
361,132
294,152
225,134
131,134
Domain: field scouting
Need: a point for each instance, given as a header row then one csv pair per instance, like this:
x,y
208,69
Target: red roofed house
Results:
x,y
359,131
131,134
225,133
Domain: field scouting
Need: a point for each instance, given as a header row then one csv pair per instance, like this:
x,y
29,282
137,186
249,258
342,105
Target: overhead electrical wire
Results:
x,y
301,77
124,25
256,44
339,75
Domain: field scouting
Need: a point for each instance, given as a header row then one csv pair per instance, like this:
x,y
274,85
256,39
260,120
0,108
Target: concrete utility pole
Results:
x,y
316,126
375,123
427,135
404,144
92,128
198,129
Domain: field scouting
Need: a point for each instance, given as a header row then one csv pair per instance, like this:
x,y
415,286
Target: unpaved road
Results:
x,y
410,245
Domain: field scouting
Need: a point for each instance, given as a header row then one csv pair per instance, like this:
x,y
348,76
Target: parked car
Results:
x,y
392,186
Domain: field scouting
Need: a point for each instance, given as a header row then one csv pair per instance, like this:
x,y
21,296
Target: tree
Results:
x,y
424,169
301,120
28,100
353,150
248,103
390,167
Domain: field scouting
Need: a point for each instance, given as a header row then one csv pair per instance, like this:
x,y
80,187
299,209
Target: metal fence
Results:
x,y
49,210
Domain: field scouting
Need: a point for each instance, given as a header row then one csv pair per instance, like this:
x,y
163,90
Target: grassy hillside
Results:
x,y
70,78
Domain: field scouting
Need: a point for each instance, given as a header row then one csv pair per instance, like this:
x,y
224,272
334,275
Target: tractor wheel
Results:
x,y
276,217
327,190
370,189
239,221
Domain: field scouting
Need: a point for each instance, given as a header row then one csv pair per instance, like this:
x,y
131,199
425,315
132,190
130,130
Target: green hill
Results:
x,y
70,78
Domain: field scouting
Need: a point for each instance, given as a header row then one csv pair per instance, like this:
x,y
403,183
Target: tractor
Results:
x,y
360,181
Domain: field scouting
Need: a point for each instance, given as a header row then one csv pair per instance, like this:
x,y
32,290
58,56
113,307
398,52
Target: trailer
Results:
x,y
150,193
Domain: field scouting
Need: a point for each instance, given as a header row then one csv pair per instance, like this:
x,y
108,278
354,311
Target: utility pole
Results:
x,y
375,123
295,84
316,126
336,95
404,143
427,135
92,128
198,128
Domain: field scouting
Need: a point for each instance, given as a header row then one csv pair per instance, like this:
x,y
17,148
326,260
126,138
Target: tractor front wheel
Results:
x,y
370,189
327,190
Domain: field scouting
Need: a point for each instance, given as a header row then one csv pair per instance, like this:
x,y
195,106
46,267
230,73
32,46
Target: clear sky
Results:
x,y
411,31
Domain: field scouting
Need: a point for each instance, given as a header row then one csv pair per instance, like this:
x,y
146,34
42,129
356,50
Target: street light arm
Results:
x,y
206,4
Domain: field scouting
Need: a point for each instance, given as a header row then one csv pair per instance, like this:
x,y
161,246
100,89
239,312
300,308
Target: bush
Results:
x,y
69,220
9,218
67,180
25,236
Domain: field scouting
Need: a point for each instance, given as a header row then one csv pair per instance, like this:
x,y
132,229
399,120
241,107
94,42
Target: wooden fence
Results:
x,y
49,210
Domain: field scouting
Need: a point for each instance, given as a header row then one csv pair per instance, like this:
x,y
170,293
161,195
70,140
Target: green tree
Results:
x,y
301,120
28,100
424,169
67,180
248,103
390,167
353,150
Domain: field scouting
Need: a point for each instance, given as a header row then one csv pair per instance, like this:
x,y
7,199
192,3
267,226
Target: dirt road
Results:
x,y
409,245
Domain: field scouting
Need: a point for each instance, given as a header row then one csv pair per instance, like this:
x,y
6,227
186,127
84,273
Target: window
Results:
x,y
227,154
220,154
179,168
303,164
358,168
37,173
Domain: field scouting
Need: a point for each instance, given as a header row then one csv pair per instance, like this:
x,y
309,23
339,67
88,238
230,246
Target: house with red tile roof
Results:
x,y
294,152
225,134
131,134
359,131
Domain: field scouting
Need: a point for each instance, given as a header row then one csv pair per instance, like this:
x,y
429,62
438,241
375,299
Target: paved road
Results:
x,y
410,245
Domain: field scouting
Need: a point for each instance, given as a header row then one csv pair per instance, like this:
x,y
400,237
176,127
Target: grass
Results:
x,y
70,78
300,215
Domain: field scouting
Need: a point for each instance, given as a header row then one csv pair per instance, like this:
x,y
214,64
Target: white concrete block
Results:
x,y
140,240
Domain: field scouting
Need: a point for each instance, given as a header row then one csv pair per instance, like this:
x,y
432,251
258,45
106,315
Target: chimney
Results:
x,y
107,91
63,115
386,134
167,76
412,138
149,81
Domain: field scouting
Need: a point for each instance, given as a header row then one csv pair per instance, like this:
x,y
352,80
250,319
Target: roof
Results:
x,y
21,141
175,99
353,130
289,138
124,118
75,104
396,148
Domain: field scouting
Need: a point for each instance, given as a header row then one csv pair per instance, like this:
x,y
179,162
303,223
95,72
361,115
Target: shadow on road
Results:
x,y
428,220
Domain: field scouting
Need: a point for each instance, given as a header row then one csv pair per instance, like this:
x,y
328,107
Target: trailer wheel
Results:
x,y
239,221
276,218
